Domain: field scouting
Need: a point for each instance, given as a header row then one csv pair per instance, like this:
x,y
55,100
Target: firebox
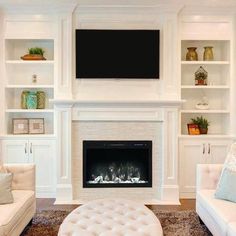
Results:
x,y
117,164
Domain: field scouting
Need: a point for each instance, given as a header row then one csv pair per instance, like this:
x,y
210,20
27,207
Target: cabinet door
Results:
x,y
191,153
217,151
15,151
42,153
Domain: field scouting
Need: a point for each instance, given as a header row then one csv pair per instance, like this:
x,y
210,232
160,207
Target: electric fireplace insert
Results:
x,y
117,164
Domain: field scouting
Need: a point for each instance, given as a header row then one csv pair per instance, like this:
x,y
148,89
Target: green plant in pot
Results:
x,y
202,124
35,53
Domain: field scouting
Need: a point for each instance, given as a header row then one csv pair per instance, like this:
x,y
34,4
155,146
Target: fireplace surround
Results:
x,y
155,120
117,164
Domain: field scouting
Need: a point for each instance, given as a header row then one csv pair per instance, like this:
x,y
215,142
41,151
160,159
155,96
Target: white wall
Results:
x,y
131,18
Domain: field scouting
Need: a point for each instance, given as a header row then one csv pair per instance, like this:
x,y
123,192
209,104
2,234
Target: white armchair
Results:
x,y
14,217
218,215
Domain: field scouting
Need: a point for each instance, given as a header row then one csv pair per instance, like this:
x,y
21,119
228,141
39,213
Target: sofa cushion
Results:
x,y
231,229
11,213
222,211
5,188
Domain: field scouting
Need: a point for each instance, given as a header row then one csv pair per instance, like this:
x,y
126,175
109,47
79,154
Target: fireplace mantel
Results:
x,y
117,103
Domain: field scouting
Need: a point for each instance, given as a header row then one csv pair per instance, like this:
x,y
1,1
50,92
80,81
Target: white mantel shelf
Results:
x,y
116,102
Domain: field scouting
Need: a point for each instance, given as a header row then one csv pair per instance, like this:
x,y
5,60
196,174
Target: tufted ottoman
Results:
x,y
111,217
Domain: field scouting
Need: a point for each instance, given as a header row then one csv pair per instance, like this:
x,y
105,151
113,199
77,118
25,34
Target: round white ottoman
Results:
x,y
111,217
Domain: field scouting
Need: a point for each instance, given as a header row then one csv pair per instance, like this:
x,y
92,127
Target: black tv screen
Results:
x,y
117,54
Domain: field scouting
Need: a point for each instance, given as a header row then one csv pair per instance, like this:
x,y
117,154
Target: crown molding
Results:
x,y
39,8
129,9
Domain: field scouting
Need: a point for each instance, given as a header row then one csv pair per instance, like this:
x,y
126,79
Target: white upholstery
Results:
x,y
231,229
14,217
218,215
106,217
23,176
208,176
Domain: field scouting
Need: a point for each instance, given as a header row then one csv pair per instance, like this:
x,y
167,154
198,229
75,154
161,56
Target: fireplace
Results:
x,y
117,164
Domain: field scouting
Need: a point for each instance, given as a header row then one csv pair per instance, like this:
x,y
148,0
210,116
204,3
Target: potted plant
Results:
x,y
202,124
35,53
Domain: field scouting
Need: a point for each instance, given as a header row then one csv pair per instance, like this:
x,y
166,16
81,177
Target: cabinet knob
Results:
x,y
204,149
31,148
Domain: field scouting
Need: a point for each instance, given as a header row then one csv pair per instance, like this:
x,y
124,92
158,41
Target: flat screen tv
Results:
x,y
120,54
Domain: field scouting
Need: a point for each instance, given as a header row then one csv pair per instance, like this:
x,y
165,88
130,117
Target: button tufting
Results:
x,y
111,218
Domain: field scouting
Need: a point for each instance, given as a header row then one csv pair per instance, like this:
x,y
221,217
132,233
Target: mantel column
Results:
x,y
63,158
170,187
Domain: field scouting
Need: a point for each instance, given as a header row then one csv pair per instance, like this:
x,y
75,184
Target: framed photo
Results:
x,y
193,129
20,125
36,126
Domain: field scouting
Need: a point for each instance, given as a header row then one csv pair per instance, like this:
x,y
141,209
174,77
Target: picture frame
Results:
x,y
36,126
193,129
20,126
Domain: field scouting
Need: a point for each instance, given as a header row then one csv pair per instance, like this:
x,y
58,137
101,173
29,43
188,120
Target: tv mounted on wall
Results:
x,y
128,54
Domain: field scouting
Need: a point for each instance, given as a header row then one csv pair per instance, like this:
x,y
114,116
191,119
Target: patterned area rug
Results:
x,y
174,223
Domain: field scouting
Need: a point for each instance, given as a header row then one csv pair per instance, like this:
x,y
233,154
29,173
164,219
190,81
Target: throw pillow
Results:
x,y
2,169
5,188
226,188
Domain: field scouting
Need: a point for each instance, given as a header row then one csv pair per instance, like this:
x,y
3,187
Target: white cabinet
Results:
x,y
15,151
193,152
40,152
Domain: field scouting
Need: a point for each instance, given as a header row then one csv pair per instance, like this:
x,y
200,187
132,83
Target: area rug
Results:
x,y
174,223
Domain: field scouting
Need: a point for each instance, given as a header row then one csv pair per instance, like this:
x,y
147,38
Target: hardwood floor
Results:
x,y
48,203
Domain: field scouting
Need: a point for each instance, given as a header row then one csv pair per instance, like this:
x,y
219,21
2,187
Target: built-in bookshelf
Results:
x,y
21,75
217,91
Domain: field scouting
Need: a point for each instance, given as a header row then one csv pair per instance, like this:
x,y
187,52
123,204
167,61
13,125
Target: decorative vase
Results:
x,y
208,54
191,54
32,100
40,100
203,130
24,96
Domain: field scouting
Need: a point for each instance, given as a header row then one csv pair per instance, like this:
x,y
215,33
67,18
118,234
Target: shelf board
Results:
x,y
12,136
203,136
29,110
29,62
205,87
205,111
205,62
29,86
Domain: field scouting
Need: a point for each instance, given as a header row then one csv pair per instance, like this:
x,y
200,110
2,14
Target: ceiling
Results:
x,y
53,4
227,3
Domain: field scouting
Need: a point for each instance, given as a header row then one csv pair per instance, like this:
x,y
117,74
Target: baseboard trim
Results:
x,y
64,192
170,193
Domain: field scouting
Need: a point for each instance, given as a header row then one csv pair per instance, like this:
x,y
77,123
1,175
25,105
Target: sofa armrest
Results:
x,y
208,176
23,176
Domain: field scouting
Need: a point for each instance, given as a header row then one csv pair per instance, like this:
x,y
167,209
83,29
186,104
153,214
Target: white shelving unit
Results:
x,y
19,77
209,148
218,90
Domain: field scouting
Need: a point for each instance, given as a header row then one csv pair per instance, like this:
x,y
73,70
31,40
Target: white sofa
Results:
x,y
218,215
14,217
